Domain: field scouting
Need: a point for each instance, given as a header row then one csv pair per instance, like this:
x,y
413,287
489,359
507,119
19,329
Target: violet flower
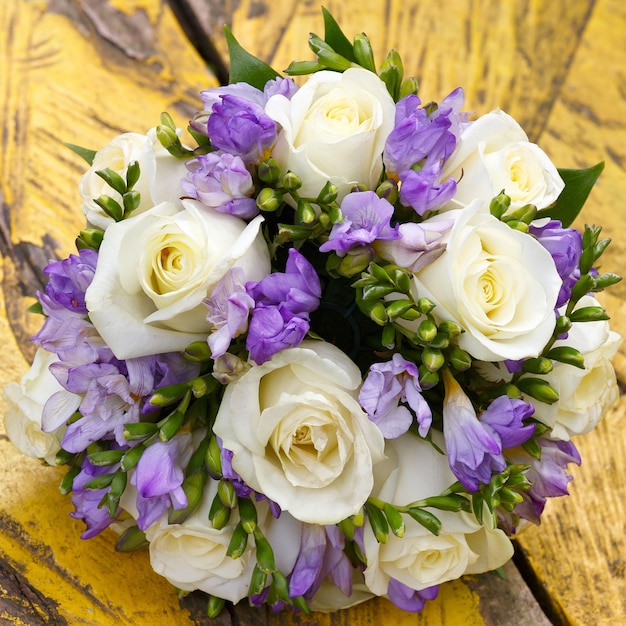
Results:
x,y
222,182
408,599
366,218
504,417
473,451
423,190
386,386
228,310
283,301
87,501
565,246
242,128
419,135
159,476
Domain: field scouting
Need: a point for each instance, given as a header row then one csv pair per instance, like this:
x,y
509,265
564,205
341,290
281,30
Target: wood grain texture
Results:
x,y
84,70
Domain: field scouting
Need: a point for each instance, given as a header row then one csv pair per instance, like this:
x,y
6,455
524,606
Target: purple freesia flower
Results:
x,y
421,135
87,501
504,417
565,246
473,450
222,182
159,476
366,218
321,556
279,86
423,190
408,599
242,128
419,244
283,301
386,386
228,310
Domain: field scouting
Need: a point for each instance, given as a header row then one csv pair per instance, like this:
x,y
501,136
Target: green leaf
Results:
x,y
84,153
335,38
245,67
578,184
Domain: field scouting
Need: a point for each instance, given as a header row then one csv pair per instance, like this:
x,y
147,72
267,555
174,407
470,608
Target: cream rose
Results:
x,y
585,395
192,555
493,154
415,470
298,434
499,284
155,269
25,402
334,128
159,180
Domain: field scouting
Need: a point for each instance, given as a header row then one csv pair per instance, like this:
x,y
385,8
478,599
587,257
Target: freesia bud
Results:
x,y
215,606
269,199
269,171
131,539
238,542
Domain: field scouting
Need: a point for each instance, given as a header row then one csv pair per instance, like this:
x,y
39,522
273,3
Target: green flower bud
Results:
x,y
63,457
305,212
388,336
133,172
427,330
67,482
429,521
409,87
539,389
518,225
566,354
513,391
110,207
328,194
168,395
99,482
354,262
589,314
450,328
257,582
347,528
131,457
118,485
525,214
335,214
378,522
269,199
291,181
395,520
269,171
226,493
425,306
500,205
397,308
539,365
388,190
219,513
104,458
459,359
131,200
603,280
401,279
440,342
238,542
264,552
327,56
302,68
563,325
131,539
433,359
90,238
391,72
198,351
358,519
215,606
363,52
171,142
166,120
427,378
247,514
172,424
113,180
214,458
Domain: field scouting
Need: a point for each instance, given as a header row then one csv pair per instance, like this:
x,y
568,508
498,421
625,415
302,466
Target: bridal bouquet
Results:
x,y
332,343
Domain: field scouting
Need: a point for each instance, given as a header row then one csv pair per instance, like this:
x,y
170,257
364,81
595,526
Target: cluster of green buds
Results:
x,y
92,237
518,219
336,52
384,294
504,491
528,381
384,517
167,134
313,216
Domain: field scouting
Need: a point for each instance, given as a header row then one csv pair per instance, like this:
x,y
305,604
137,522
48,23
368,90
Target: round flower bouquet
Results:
x,y
330,344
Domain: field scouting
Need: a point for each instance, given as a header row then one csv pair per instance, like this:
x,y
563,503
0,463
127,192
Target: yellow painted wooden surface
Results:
x,y
557,66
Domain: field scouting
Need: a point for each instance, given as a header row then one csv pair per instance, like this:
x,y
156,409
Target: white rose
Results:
x,y
499,284
493,154
585,395
419,559
192,555
159,180
298,434
25,403
155,269
334,128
